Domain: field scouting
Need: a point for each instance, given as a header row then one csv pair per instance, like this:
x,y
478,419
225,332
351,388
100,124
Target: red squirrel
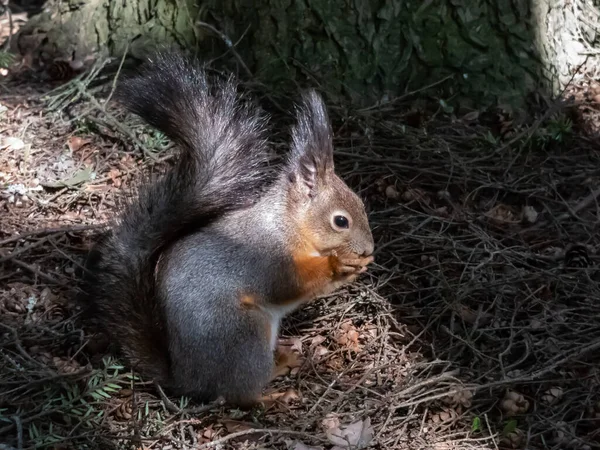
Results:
x,y
196,274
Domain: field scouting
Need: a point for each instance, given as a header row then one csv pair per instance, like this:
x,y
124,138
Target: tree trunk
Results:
x,y
79,27
567,38
477,52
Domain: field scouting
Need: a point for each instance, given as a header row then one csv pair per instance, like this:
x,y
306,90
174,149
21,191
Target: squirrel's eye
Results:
x,y
340,221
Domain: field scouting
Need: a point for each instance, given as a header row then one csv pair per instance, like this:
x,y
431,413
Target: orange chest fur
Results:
x,y
312,269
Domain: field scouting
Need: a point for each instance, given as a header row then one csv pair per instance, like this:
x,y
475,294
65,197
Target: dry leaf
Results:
x,y
207,435
317,340
444,416
289,396
529,214
472,116
12,143
320,351
514,404
463,397
286,360
330,422
297,345
281,399
236,425
97,187
80,177
280,371
503,214
356,435
294,344
347,336
552,395
75,143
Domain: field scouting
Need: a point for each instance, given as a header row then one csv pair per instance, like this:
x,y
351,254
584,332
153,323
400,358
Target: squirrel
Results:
x,y
194,277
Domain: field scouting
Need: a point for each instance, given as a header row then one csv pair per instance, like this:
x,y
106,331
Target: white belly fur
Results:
x,y
277,313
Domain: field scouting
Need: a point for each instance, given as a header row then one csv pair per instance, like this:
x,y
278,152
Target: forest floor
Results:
x,y
477,328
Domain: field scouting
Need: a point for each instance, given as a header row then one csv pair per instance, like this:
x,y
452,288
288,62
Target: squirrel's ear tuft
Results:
x,y
311,158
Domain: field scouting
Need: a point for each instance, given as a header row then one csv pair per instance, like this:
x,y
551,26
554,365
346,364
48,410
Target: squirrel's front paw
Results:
x,y
350,267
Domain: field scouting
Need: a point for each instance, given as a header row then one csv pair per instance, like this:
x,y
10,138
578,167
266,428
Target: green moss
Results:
x,y
355,49
382,47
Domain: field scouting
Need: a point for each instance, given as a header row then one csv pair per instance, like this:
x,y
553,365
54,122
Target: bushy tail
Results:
x,y
223,149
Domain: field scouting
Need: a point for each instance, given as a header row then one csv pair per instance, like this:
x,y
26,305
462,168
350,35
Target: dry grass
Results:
x,y
468,333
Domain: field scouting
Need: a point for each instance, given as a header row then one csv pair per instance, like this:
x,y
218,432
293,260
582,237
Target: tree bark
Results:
x,y
567,38
475,53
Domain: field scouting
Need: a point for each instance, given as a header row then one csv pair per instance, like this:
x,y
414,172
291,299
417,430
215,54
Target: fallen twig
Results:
x,y
58,230
229,437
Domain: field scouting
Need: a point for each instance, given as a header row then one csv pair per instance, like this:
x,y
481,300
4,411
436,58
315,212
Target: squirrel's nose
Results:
x,y
369,248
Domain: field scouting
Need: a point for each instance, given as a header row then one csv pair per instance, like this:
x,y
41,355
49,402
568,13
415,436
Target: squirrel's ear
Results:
x,y
311,158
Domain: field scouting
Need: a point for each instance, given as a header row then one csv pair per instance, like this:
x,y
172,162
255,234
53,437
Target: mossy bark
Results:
x,y
369,50
487,51
81,27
